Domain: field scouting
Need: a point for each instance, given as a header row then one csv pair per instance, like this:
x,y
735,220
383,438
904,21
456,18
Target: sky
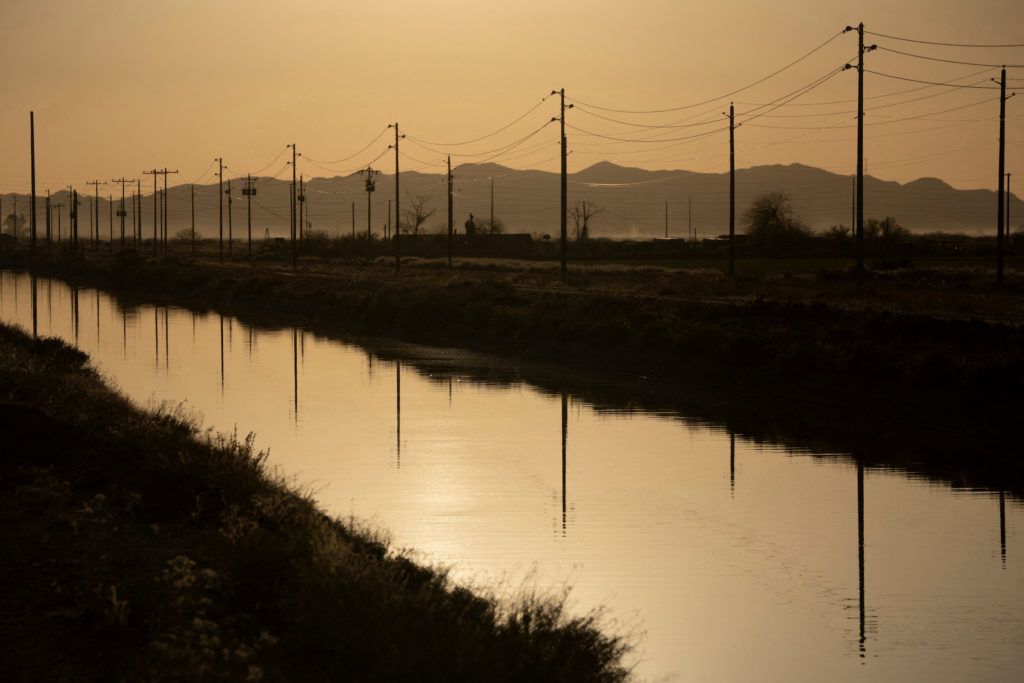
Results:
x,y
119,87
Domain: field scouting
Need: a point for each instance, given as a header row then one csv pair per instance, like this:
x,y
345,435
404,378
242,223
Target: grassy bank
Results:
x,y
135,547
937,352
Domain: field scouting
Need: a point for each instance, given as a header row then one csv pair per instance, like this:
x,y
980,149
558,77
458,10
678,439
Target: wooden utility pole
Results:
x,y
32,210
295,246
1008,195
248,191
73,216
137,228
860,148
1002,172
96,211
231,230
398,216
451,223
564,270
58,206
156,208
121,212
165,171
220,207
301,198
732,191
110,220
370,180
49,220
192,193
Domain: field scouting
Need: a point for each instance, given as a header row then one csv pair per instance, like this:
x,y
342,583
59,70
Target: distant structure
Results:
x,y
470,226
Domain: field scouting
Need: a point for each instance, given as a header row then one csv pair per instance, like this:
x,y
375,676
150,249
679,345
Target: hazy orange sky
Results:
x,y
120,86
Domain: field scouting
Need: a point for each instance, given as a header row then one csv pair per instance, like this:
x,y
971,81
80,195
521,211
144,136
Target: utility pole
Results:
x,y
59,206
49,221
1008,195
96,206
301,207
1002,172
156,241
32,144
732,191
451,224
73,216
565,187
165,171
860,147
689,217
370,177
192,189
220,206
398,219
295,246
248,191
121,212
231,230
137,229
110,224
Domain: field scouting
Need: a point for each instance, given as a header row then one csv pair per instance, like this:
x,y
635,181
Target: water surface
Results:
x,y
730,560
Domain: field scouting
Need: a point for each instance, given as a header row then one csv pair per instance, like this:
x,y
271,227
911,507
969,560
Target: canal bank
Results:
x,y
137,546
913,385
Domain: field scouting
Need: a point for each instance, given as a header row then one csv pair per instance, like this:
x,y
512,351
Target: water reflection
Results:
x,y
398,415
860,552
654,534
565,438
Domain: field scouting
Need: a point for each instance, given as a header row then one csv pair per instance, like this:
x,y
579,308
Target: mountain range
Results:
x,y
632,201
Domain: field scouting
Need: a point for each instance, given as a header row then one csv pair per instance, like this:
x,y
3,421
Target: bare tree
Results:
x,y
581,214
417,214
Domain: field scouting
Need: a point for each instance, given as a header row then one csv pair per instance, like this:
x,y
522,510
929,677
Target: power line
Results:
x,y
490,151
483,137
351,156
946,61
931,42
914,80
715,99
951,83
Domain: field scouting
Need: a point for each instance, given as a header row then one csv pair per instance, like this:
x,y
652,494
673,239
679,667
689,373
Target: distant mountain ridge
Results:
x,y
633,199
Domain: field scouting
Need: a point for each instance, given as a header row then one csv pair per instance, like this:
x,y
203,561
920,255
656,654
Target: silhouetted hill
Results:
x,y
527,201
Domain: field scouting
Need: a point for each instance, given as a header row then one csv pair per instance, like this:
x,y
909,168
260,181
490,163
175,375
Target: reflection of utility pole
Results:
x,y
732,462
860,547
565,435
1002,526
398,414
